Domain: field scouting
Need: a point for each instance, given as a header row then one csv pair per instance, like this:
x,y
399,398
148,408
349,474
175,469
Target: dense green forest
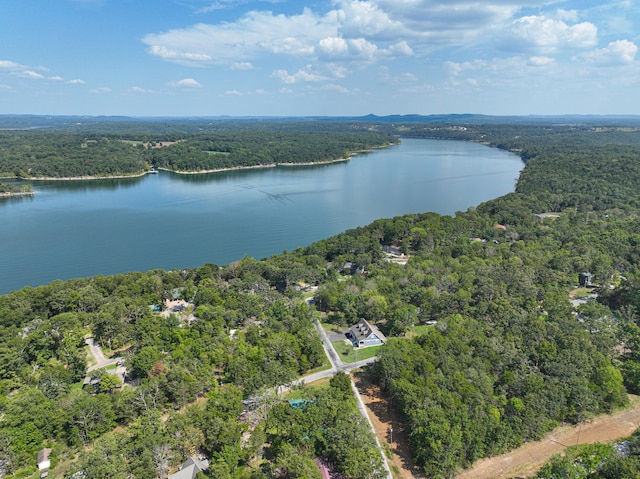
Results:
x,y
485,349
12,190
248,338
596,461
55,154
234,149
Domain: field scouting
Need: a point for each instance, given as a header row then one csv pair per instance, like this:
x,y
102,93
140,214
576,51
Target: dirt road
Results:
x,y
526,460
522,462
383,418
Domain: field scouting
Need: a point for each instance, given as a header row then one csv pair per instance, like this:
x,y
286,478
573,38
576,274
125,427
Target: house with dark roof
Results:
x,y
352,268
363,335
190,468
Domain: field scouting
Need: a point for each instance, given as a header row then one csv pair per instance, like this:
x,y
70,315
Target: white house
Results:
x,y
364,334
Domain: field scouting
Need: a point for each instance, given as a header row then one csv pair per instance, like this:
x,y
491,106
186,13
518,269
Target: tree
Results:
x,y
89,416
109,382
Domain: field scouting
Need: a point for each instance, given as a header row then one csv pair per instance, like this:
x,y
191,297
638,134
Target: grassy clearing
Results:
x,y
323,367
299,393
580,293
331,328
349,354
418,330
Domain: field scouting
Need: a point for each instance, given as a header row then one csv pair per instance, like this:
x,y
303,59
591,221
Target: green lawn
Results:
x,y
418,330
331,328
323,367
300,394
348,354
581,292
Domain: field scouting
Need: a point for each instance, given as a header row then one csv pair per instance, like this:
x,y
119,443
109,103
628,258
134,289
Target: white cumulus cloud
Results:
x,y
185,83
76,81
336,48
620,52
336,88
172,54
9,65
29,74
540,61
548,35
242,66
304,75
354,30
138,89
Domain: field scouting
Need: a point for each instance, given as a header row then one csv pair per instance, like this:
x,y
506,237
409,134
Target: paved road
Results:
x,y
338,365
101,361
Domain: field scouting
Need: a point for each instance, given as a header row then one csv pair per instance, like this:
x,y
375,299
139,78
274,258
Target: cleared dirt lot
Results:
x,y
523,462
382,418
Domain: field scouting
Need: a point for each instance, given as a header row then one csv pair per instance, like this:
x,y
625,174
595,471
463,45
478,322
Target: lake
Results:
x,y
83,228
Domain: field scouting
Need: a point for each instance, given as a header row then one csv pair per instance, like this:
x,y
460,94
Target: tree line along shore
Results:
x,y
63,155
485,349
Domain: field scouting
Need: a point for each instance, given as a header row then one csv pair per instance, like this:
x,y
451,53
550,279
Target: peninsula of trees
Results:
x,y
14,190
485,350
39,154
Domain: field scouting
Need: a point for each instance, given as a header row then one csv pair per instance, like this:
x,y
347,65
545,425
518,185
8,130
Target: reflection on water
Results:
x,y
86,185
82,228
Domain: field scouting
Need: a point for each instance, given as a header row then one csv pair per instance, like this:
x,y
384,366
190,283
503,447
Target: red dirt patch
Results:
x,y
383,418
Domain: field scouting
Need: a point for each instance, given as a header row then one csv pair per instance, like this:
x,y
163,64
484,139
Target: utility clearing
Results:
x,y
522,462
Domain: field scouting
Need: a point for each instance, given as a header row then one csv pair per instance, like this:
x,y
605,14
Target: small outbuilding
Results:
x,y
42,459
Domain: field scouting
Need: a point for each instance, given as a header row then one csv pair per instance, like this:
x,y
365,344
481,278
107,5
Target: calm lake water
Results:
x,y
85,228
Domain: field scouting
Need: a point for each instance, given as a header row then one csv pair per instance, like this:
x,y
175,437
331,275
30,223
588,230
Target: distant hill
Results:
x,y
26,122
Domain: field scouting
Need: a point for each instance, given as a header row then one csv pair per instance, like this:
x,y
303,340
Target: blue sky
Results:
x,y
339,57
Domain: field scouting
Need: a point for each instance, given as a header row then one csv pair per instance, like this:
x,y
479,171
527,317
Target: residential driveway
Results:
x,y
338,365
336,336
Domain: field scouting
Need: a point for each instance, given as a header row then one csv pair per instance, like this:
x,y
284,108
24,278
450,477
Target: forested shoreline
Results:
x,y
43,154
14,190
485,350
